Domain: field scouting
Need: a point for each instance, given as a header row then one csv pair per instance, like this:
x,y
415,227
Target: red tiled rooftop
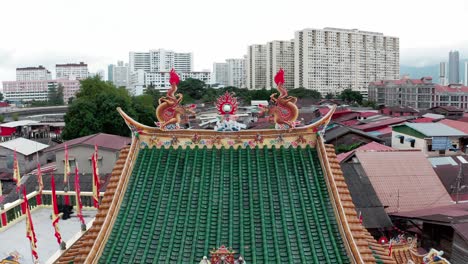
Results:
x,y
102,140
367,114
380,124
403,180
462,126
422,120
372,146
453,210
440,88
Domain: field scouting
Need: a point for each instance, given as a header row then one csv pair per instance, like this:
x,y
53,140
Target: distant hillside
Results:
x,y
430,70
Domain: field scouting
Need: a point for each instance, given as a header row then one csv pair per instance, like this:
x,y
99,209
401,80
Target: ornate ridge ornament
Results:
x,y
284,111
222,255
227,104
227,107
169,110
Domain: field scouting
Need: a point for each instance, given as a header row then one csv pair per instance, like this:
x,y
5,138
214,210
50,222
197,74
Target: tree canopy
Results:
x,y
350,96
94,110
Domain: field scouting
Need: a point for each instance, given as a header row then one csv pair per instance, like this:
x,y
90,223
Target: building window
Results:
x,y
402,139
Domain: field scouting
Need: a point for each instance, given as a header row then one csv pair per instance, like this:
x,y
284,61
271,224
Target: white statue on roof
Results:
x,y
205,260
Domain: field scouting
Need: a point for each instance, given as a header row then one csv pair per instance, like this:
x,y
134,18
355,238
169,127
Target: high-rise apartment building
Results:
x,y
330,60
454,67
38,90
220,73
120,75
256,66
110,72
160,80
466,73
442,73
236,72
183,62
39,73
72,71
160,60
280,54
139,61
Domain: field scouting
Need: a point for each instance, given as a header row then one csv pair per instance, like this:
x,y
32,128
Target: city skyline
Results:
x,y
220,33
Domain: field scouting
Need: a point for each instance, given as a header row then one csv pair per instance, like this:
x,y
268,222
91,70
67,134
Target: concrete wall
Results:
x,y
421,144
26,163
81,155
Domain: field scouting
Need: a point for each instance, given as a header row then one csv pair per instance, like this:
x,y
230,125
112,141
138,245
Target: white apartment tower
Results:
x,y
160,60
236,72
120,75
139,61
280,54
330,60
220,73
72,71
466,73
39,73
256,66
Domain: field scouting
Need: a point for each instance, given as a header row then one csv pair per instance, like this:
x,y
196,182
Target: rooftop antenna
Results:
x,y
458,185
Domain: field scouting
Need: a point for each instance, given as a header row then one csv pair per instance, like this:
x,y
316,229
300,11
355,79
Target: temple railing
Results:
x,y
13,212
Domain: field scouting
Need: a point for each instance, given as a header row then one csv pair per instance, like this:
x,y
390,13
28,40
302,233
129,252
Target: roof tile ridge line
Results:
x,y
338,208
67,252
99,244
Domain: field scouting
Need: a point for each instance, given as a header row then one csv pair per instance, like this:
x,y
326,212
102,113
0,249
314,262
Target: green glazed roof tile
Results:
x,y
270,205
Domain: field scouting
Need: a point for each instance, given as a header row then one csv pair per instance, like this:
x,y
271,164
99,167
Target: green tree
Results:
x,y
154,93
210,95
144,109
55,95
59,98
192,89
305,93
15,116
329,96
1,97
350,96
2,118
94,110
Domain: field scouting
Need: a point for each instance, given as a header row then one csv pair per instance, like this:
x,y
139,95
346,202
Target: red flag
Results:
x,y
16,172
55,217
390,249
66,167
79,205
30,234
360,217
96,183
39,178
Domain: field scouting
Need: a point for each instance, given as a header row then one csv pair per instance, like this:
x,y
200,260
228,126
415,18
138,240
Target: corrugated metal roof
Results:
x,y
436,161
462,126
404,180
435,129
24,146
433,116
19,123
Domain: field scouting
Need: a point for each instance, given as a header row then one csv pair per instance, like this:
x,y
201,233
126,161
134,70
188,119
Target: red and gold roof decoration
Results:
x,y
222,255
227,104
170,110
165,138
283,111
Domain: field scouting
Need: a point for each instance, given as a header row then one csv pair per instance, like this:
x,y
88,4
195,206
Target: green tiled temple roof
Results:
x,y
271,205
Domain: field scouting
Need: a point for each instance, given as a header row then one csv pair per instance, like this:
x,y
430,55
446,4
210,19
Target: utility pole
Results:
x,y
398,201
458,182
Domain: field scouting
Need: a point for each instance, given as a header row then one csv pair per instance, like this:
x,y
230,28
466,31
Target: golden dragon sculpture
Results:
x,y
169,110
284,111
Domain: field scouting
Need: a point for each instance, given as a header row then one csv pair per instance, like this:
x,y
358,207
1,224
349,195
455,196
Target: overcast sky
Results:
x,y
101,32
